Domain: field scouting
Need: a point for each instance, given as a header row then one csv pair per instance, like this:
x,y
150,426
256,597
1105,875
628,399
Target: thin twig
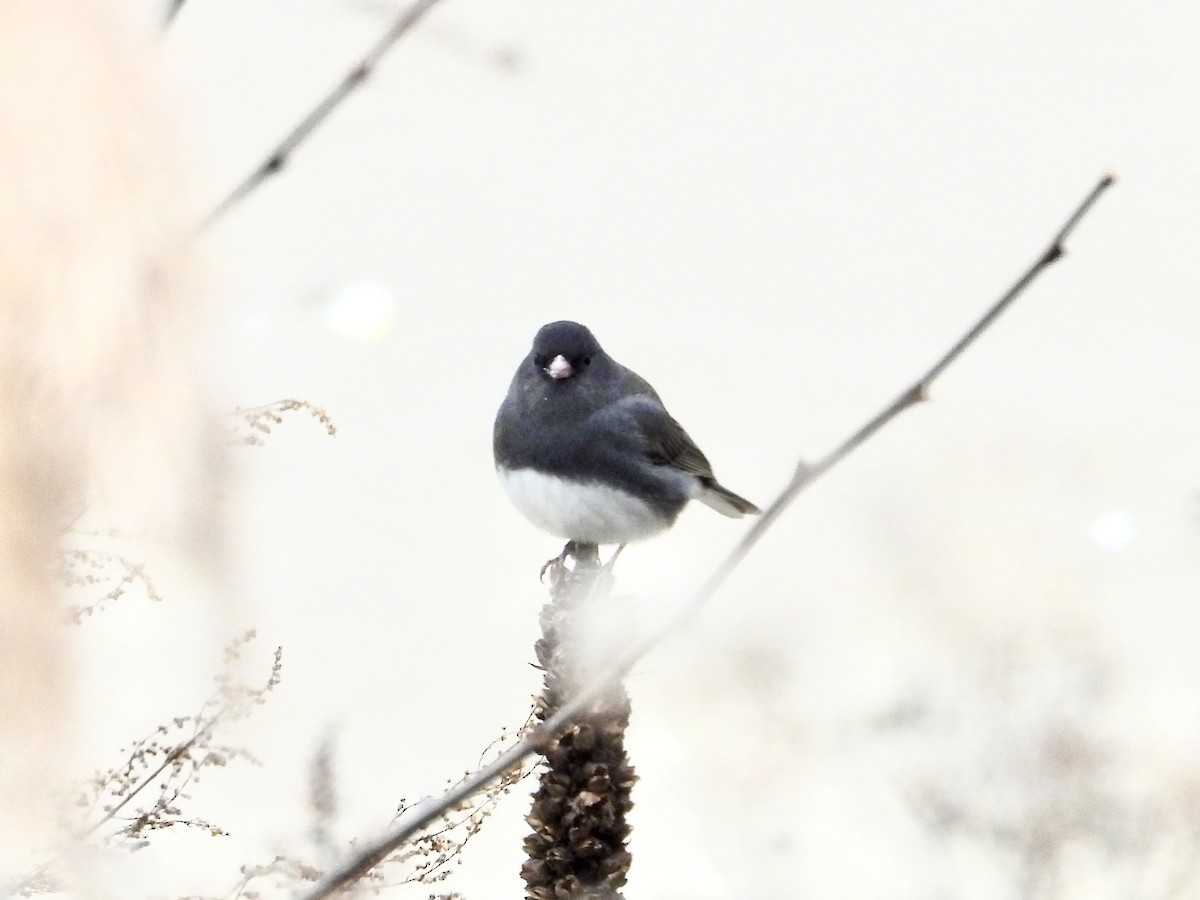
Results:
x,y
177,751
354,78
19,888
369,853
172,11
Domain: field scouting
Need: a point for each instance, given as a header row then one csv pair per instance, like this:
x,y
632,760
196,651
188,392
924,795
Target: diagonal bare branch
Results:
x,y
368,854
278,157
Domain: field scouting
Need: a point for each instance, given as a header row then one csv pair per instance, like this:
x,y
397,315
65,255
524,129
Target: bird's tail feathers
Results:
x,y
726,502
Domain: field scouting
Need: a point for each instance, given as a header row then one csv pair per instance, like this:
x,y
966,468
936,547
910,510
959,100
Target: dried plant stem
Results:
x,y
579,812
278,157
542,736
28,880
202,731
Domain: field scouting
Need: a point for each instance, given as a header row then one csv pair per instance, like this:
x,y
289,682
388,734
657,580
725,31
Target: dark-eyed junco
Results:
x,y
586,450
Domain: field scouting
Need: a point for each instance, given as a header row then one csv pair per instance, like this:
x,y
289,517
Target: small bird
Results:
x,y
586,450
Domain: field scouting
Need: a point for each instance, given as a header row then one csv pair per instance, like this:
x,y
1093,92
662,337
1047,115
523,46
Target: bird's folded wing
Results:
x,y
665,440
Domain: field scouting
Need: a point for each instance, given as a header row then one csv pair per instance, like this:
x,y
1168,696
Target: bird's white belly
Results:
x,y
579,511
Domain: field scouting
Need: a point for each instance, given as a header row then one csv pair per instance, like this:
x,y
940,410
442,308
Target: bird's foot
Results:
x,y
586,556
557,567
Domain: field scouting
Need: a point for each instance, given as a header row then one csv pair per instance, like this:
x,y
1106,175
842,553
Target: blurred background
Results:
x,y
964,664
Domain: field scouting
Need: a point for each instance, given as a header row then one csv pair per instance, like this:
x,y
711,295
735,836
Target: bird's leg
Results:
x,y
612,559
586,557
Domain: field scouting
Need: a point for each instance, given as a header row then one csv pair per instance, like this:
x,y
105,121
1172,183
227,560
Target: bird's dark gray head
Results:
x,y
562,350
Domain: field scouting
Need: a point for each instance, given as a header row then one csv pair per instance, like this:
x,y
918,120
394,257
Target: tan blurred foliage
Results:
x,y
96,395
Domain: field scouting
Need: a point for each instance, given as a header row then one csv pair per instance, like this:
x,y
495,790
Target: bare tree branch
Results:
x,y
370,852
354,78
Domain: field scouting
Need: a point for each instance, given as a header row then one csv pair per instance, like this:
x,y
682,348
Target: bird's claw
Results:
x,y
586,556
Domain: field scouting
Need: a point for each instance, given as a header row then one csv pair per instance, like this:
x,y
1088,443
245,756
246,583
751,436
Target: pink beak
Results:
x,y
559,368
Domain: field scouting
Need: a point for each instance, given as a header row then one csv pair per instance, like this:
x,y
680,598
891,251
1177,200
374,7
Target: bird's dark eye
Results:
x,y
587,360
